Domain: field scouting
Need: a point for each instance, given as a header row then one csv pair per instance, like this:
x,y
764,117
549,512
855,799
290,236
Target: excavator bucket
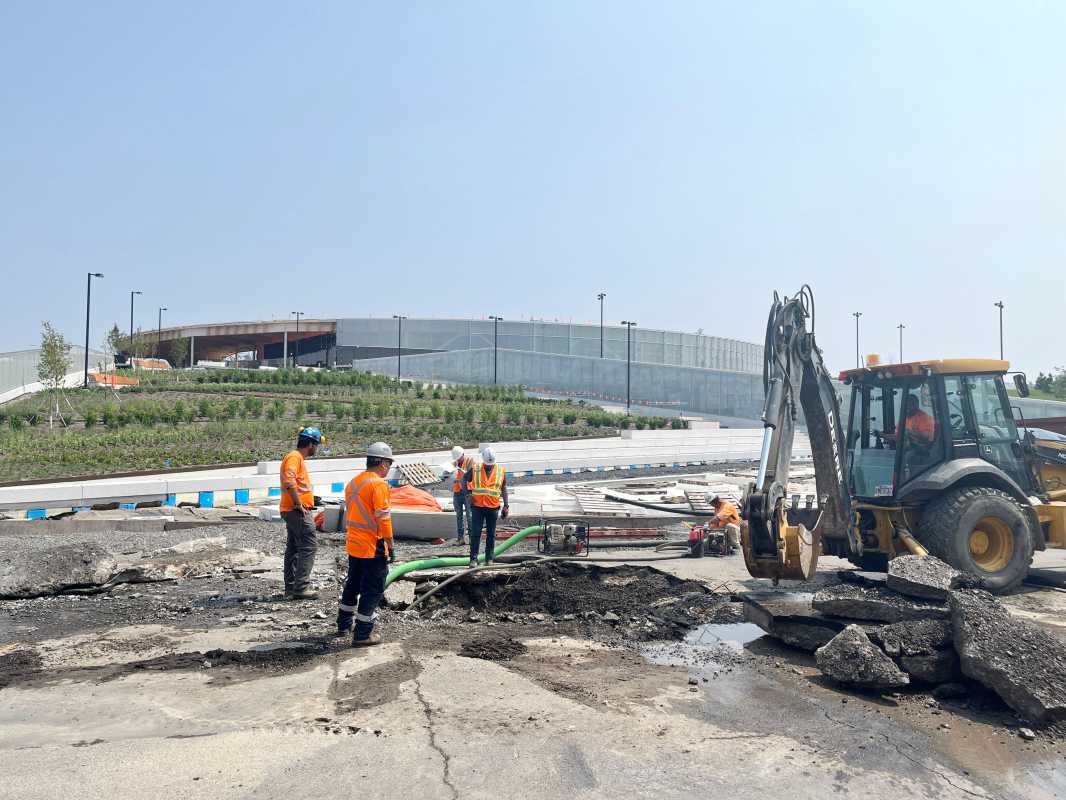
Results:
x,y
796,558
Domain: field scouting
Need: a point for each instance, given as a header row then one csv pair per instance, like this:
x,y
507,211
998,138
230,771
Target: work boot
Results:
x,y
343,632
473,562
304,594
370,641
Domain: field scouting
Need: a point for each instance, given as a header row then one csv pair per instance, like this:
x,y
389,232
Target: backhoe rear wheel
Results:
x,y
980,530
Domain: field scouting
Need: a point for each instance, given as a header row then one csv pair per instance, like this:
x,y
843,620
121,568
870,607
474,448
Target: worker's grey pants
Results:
x,y
733,532
299,549
461,500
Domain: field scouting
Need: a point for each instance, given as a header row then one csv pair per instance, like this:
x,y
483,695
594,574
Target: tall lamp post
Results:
x,y
131,321
629,329
399,340
88,298
296,340
858,359
901,326
999,305
159,330
495,344
600,297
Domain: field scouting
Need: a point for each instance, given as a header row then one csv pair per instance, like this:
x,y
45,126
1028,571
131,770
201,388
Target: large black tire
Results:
x,y
982,531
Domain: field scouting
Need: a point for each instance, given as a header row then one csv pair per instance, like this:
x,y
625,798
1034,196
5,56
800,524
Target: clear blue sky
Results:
x,y
244,159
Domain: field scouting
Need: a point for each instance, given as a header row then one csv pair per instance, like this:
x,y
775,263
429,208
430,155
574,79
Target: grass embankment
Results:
x,y
195,417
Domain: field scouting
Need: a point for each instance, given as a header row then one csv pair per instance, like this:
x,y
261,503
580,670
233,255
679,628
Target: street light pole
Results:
x,y
131,321
399,341
495,344
88,298
159,330
296,340
858,359
629,329
999,305
600,297
901,326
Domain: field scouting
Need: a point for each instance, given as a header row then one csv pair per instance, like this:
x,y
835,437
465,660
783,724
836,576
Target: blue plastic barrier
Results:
x,y
207,499
240,497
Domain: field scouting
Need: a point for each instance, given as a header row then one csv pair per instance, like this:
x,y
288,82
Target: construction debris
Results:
x,y
853,660
1021,663
56,569
920,638
791,619
874,604
925,577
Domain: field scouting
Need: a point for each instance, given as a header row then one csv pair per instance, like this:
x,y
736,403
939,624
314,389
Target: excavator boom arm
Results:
x,y
795,379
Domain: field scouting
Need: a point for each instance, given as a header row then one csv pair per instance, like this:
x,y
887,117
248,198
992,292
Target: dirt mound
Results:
x,y
492,649
569,588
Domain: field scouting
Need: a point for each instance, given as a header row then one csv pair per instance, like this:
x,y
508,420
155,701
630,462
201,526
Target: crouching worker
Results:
x,y
369,544
726,516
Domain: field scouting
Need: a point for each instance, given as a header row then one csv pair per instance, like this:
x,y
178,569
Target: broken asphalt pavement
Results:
x,y
208,685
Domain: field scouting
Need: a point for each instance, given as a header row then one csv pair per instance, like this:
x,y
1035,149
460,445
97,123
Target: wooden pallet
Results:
x,y
418,474
592,501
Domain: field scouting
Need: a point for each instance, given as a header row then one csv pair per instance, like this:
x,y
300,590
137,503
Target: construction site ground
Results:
x,y
213,686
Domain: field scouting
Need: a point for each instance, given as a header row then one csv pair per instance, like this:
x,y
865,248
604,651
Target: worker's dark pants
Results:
x,y
483,518
362,595
299,549
461,500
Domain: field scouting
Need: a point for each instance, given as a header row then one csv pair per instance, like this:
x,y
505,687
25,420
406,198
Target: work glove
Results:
x,y
392,552
505,513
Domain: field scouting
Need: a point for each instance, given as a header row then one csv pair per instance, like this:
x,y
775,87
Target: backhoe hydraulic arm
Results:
x,y
779,542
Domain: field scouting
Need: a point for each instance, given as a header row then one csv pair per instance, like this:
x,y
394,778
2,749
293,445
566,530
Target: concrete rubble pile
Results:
x,y
924,625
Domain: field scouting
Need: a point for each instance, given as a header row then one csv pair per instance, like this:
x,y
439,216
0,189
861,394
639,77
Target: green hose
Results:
x,y
433,563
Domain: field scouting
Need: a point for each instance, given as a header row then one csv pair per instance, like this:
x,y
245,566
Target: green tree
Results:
x,y
178,351
53,364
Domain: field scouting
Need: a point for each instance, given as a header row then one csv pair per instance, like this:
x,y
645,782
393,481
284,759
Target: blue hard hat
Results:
x,y
312,433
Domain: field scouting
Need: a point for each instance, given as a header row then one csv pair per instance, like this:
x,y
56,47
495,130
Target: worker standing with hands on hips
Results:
x,y
369,545
487,484
726,516
460,495
297,504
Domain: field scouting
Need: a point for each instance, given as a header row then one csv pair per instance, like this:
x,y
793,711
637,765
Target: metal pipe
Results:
x,y
911,543
764,458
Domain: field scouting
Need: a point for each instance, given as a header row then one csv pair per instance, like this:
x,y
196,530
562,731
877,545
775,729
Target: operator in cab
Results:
x,y
918,425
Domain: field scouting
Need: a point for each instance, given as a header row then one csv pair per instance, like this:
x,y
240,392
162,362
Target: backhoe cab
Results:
x,y
932,454
927,460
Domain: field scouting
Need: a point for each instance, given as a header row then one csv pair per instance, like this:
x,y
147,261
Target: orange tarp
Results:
x,y
112,379
410,497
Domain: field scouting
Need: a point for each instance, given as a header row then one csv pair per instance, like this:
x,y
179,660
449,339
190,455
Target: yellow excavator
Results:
x,y
929,460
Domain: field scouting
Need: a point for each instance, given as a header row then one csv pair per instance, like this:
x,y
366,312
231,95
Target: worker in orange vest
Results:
x,y
487,484
369,545
296,507
726,516
460,496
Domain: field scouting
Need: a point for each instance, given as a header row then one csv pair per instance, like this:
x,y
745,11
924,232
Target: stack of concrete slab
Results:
x,y
921,624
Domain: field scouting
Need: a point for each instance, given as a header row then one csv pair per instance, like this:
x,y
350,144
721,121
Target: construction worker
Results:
x,y
297,505
487,484
919,426
369,545
460,496
726,516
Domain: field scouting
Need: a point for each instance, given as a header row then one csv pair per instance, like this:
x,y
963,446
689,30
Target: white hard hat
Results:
x,y
380,450
488,455
457,453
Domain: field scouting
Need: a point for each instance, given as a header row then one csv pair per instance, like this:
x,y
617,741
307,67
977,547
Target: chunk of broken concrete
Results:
x,y
791,619
925,577
1017,660
399,594
875,604
933,668
852,659
913,638
57,569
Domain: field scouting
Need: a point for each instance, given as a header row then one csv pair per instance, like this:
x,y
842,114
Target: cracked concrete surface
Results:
x,y
568,718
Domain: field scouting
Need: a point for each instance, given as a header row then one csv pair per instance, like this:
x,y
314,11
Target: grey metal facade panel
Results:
x,y
734,394
560,338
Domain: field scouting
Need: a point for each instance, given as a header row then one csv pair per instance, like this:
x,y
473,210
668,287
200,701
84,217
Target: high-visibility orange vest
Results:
x,y
369,518
486,491
460,468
